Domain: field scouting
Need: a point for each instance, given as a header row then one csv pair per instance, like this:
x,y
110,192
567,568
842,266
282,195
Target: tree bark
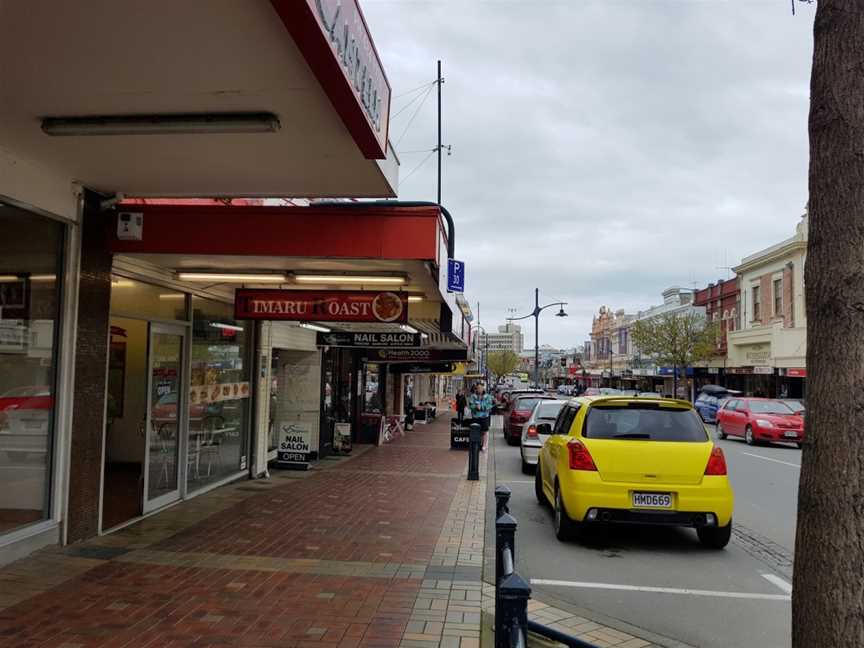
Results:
x,y
828,597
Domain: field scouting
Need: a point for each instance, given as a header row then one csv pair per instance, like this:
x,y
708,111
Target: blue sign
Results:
x,y
667,371
455,276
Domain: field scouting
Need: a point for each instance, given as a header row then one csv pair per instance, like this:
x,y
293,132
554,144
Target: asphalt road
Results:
x,y
735,605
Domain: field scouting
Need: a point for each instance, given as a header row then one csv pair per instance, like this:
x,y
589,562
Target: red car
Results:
x,y
760,419
520,412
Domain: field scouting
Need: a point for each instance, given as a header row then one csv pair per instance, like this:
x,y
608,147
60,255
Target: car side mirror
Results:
x,y
544,428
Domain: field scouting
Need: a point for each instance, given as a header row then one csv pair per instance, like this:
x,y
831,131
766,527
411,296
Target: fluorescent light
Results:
x,y
122,283
177,124
408,329
348,279
314,327
413,299
232,277
9,278
43,277
226,327
423,336
172,296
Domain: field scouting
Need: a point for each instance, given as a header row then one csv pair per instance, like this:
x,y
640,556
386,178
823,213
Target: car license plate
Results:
x,y
652,500
792,435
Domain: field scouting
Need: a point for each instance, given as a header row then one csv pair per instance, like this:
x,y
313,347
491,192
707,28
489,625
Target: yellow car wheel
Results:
x,y
565,528
715,537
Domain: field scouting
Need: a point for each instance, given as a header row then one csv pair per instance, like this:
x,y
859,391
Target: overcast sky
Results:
x,y
603,150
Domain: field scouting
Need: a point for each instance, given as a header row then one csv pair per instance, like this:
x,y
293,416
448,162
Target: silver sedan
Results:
x,y
545,411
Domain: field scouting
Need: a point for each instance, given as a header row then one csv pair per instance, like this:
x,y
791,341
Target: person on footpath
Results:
x,y
461,404
480,404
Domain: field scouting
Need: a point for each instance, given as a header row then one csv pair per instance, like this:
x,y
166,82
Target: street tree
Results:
x,y
502,363
827,601
676,340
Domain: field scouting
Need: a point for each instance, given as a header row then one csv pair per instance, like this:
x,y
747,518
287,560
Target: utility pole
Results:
x,y
536,338
440,82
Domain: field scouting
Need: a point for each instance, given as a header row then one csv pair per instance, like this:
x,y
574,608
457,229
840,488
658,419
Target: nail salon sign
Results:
x,y
295,446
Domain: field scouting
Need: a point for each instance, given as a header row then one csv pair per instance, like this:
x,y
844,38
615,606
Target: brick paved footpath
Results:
x,y
381,549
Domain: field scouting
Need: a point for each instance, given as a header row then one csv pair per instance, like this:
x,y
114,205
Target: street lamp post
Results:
x,y
483,366
536,315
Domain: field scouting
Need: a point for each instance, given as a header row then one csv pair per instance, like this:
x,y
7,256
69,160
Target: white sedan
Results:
x,y
545,411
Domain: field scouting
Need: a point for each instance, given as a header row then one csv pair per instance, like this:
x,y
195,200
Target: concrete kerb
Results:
x,y
589,625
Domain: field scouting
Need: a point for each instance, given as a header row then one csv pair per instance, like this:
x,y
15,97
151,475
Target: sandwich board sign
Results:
x,y
295,446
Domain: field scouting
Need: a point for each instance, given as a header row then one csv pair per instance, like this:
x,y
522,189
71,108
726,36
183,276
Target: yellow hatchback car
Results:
x,y
634,460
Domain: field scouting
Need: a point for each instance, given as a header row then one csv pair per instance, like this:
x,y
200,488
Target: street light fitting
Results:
x,y
561,313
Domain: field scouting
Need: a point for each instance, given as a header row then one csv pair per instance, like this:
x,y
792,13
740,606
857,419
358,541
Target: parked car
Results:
x,y
795,405
760,419
650,395
545,411
707,405
507,397
601,391
633,460
520,412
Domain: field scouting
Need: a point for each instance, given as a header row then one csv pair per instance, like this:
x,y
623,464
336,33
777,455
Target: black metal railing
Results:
x,y
512,593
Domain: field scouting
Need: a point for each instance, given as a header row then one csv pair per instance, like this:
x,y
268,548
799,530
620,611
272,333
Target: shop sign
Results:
x,y
796,373
343,24
369,339
713,371
295,444
417,355
321,306
758,353
218,392
765,371
431,367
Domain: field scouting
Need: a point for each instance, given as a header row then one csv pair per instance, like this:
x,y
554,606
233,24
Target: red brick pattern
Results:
x,y
388,505
127,605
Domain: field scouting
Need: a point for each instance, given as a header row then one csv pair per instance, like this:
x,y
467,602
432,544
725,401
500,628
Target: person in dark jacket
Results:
x,y
461,403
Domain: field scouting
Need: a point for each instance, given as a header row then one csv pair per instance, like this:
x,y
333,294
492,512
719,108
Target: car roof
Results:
x,y
616,399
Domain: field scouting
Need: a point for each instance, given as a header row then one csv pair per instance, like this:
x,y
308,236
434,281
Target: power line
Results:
x,y
407,92
410,173
405,107
413,116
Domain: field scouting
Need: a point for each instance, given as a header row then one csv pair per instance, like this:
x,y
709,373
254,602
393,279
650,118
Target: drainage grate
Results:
x,y
761,548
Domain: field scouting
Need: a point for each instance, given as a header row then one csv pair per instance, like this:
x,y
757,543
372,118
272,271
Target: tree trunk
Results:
x,y
827,603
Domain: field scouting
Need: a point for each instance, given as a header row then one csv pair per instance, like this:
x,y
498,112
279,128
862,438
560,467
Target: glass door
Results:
x,y
166,418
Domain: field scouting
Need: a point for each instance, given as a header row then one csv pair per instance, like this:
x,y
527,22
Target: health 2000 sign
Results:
x,y
321,306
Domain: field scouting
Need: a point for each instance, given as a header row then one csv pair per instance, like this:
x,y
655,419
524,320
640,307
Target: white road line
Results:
x,y
779,582
517,481
785,463
661,590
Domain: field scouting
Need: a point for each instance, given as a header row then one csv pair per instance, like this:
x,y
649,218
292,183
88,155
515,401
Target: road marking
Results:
x,y
779,582
785,463
661,590
517,481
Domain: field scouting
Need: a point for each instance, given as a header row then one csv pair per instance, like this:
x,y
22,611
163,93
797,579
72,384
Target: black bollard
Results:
x,y
476,439
512,608
502,500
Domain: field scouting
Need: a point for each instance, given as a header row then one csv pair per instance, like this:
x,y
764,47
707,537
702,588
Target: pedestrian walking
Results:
x,y
480,404
461,404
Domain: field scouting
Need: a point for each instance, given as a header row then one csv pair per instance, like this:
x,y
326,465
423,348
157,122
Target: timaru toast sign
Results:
x,y
321,306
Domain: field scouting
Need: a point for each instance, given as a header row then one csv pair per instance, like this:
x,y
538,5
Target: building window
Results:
x,y
30,279
778,298
757,312
219,401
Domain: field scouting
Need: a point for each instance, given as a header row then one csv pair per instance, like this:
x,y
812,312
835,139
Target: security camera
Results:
x,y
110,203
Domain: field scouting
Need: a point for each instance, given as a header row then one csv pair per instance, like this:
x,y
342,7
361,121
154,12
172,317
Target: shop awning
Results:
x,y
306,248
223,98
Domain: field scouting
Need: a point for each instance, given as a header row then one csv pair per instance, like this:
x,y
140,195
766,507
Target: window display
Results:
x,y
219,396
30,268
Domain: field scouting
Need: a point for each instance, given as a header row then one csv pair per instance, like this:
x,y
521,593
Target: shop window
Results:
x,y
139,299
31,262
778,298
757,310
219,396
372,401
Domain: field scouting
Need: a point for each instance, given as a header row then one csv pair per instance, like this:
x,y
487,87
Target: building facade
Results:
x,y
508,338
767,352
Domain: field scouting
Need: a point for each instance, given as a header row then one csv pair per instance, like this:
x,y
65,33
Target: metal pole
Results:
x,y
537,338
439,132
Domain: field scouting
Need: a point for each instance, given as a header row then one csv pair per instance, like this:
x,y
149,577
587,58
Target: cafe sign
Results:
x,y
321,306
372,339
758,354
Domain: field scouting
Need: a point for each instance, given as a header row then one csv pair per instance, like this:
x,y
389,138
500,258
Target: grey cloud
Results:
x,y
604,149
